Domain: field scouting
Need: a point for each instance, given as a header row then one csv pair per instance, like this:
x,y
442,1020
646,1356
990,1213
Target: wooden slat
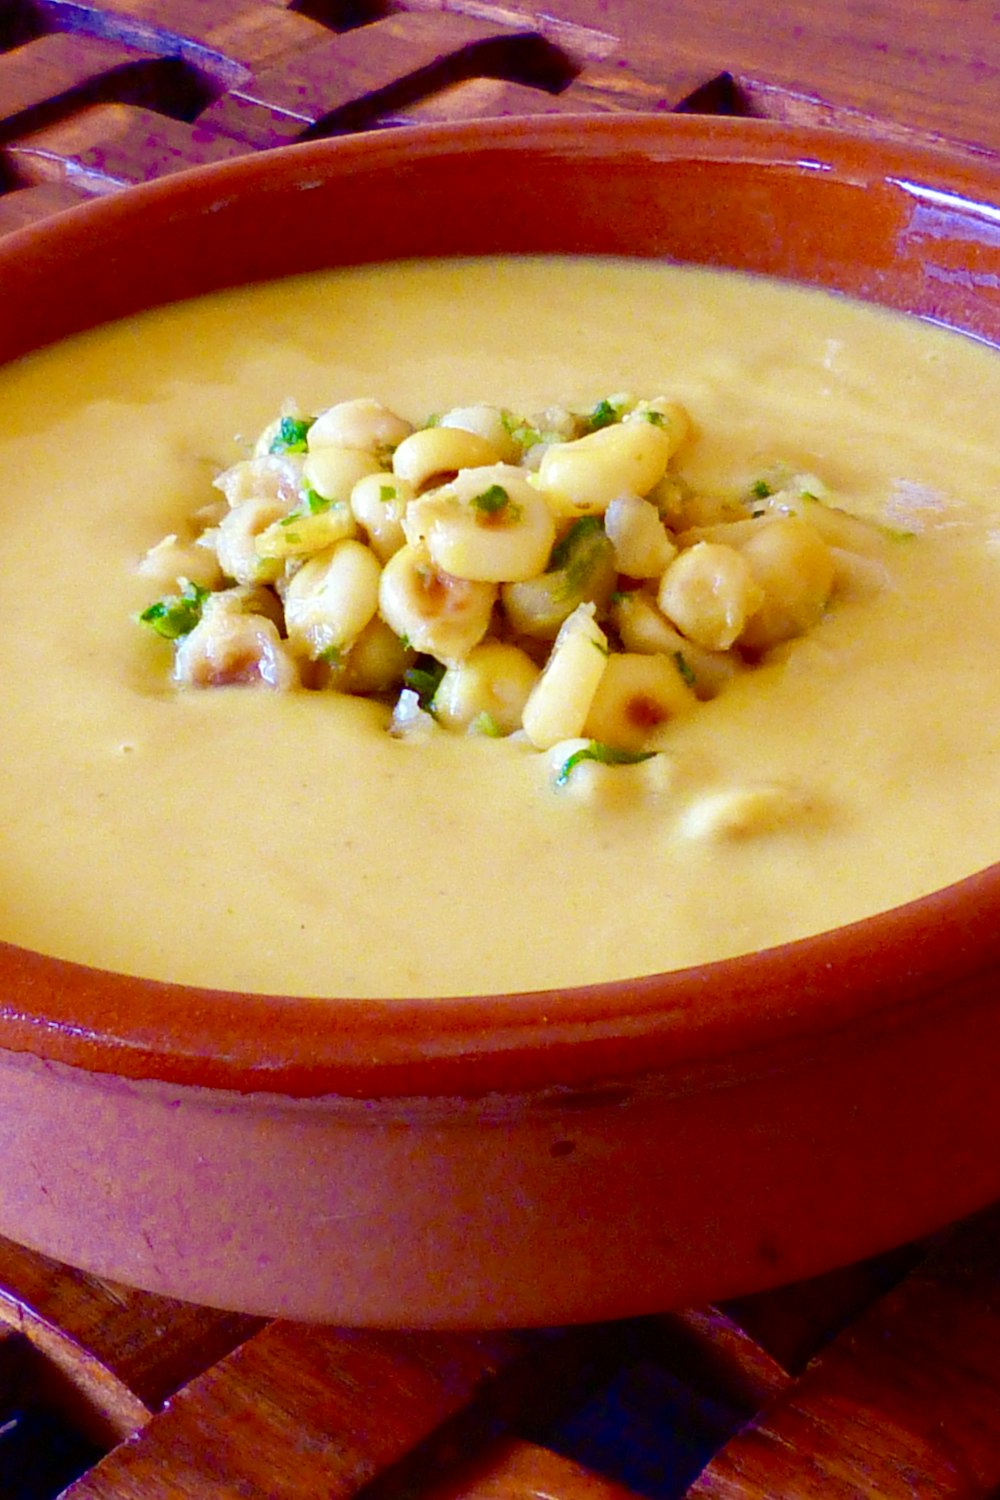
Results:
x,y
30,205
905,1402
479,99
513,1470
299,1411
404,54
222,36
880,66
120,1351
751,1349
111,146
791,1323
726,1358
52,69
672,84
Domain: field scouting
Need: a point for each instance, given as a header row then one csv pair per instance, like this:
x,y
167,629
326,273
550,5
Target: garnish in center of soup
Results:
x,y
549,575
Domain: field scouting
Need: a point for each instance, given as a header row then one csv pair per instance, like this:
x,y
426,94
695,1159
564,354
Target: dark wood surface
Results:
x,y
882,1380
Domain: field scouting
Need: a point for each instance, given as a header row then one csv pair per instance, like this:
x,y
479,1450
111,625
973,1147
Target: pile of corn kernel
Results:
x,y
550,576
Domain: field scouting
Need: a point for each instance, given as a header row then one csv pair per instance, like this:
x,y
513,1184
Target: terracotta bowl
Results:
x,y
541,1157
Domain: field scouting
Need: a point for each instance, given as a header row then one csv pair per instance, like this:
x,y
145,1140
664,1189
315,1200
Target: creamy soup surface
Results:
x,y
287,842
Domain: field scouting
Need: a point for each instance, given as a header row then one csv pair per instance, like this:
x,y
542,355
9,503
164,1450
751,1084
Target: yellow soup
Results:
x,y
287,842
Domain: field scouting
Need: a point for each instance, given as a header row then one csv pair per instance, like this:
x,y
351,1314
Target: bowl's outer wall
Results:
x,y
575,1155
515,1213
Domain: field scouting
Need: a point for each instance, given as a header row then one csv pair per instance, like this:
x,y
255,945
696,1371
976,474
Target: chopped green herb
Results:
x,y
491,500
291,435
315,501
684,668
760,489
656,417
605,755
808,495
567,545
579,556
424,678
331,655
176,614
524,433
387,492
485,723
604,414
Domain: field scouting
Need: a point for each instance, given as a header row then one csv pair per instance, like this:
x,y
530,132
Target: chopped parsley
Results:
x,y
315,505
567,545
760,489
387,492
650,415
605,755
524,434
684,668
491,501
604,414
424,679
291,435
529,437
578,554
176,615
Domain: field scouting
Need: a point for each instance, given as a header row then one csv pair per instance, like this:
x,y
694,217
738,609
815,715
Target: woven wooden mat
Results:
x,y
878,1382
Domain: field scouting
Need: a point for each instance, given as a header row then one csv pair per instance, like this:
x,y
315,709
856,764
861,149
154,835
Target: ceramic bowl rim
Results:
x,y
65,1012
